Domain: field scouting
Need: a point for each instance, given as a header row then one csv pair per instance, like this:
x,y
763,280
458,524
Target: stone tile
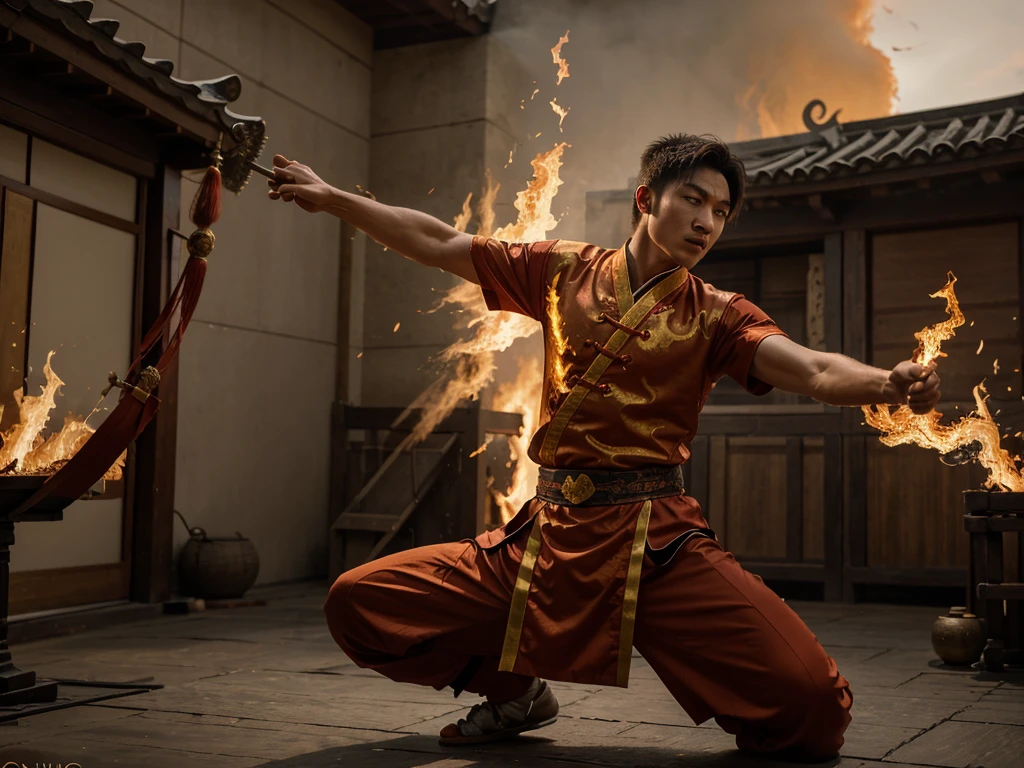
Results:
x,y
873,742
651,703
956,744
904,712
992,710
175,652
114,672
207,698
73,749
228,737
60,722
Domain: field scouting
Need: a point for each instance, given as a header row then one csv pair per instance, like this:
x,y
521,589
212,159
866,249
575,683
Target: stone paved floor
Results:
x,y
267,686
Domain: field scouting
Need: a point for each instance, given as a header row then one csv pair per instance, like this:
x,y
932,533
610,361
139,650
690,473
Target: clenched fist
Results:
x,y
913,385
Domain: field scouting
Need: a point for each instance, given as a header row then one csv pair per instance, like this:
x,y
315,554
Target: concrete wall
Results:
x,y
257,369
443,114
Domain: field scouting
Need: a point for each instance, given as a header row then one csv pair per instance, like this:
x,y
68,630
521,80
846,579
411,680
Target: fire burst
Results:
x,y
903,427
473,360
23,448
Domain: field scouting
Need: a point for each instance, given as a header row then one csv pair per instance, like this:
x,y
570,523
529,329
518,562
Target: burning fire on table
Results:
x,y
24,450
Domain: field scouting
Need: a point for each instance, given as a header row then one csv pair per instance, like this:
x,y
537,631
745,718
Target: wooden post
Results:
x,y
851,461
152,557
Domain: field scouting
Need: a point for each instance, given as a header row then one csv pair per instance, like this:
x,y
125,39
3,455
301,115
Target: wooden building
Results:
x,y
847,230
94,136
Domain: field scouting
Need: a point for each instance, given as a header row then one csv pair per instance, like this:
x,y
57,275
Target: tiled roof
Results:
x,y
206,98
831,149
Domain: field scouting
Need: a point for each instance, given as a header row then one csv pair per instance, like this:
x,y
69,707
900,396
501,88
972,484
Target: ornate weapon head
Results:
x,y
239,162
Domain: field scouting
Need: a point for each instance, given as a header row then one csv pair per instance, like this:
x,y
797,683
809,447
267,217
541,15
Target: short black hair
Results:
x,y
675,157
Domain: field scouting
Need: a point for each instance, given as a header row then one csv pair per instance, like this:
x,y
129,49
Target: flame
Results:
x,y
559,344
23,442
556,57
535,219
462,220
929,340
520,396
471,363
785,74
486,207
560,111
903,427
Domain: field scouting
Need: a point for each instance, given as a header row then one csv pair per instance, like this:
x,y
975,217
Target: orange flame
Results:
x,y
903,427
785,74
929,340
520,396
23,442
472,361
560,111
559,344
556,57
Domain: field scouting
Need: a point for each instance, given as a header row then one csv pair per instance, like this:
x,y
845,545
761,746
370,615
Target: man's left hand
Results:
x,y
914,385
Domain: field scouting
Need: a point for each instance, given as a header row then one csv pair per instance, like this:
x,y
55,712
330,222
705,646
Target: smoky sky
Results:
x,y
640,69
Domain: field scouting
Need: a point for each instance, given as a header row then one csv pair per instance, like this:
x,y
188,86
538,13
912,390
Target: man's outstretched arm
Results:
x,y
839,380
413,234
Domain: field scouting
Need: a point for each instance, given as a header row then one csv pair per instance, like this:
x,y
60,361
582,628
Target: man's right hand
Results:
x,y
296,182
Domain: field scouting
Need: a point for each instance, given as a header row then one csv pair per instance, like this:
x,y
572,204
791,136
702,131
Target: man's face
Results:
x,y
688,217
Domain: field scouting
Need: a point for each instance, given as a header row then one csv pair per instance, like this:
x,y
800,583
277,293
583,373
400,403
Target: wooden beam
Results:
x,y
991,176
75,125
55,201
88,62
911,577
820,207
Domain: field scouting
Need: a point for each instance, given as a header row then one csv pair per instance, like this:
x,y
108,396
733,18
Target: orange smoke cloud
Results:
x,y
789,70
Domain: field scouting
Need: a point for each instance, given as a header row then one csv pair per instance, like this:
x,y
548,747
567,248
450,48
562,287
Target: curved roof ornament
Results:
x,y
829,129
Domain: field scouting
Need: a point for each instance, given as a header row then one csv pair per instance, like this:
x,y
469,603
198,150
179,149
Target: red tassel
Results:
x,y
206,205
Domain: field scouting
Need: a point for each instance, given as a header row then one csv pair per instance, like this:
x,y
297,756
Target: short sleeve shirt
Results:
x,y
644,406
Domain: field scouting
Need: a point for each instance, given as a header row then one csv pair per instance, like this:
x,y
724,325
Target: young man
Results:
x,y
611,553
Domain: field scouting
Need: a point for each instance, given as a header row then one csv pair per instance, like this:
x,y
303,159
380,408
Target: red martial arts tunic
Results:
x,y
575,597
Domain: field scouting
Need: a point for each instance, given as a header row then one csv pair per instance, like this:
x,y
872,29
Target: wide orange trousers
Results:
x,y
725,645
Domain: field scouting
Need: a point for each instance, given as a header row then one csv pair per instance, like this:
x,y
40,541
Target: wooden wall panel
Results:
x,y
755,503
814,499
15,273
908,266
915,508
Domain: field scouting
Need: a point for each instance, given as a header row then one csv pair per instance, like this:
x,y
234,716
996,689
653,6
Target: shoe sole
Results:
x,y
505,733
